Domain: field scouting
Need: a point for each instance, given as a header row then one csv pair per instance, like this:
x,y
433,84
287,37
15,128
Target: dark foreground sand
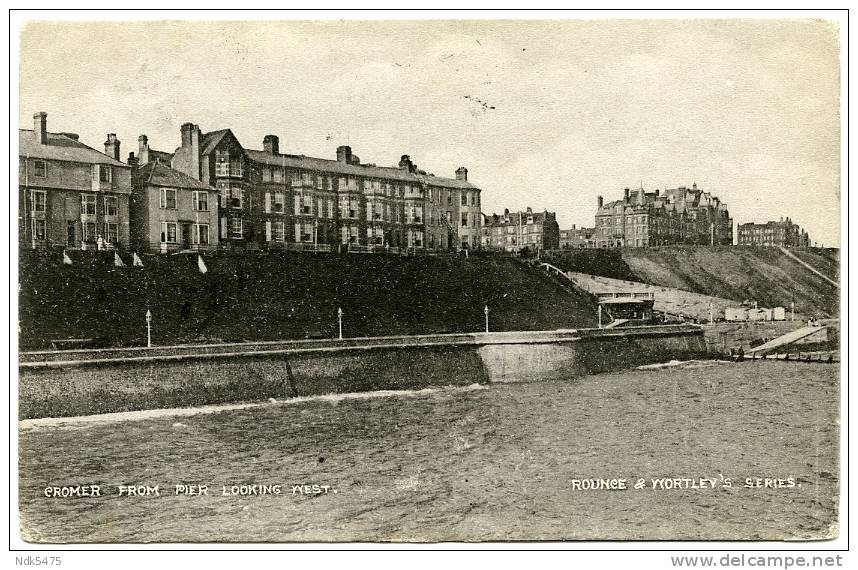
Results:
x,y
496,463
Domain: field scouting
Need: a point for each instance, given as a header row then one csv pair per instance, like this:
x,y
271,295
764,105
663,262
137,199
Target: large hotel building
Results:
x,y
267,199
783,233
679,216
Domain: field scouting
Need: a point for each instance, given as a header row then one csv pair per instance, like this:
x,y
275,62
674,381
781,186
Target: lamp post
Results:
x,y
600,316
315,236
792,310
486,311
340,317
148,328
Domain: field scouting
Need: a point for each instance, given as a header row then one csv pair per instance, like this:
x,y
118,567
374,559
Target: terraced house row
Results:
x,y
211,192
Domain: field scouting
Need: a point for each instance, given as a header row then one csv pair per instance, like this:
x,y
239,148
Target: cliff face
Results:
x,y
761,274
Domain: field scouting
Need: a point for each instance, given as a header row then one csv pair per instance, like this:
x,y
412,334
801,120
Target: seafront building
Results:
x,y
577,238
515,231
269,199
678,216
70,195
170,211
783,233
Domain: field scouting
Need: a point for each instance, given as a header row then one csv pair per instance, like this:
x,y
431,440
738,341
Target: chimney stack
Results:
x,y
111,146
143,149
600,201
191,142
344,154
626,194
132,160
462,174
271,144
40,127
405,163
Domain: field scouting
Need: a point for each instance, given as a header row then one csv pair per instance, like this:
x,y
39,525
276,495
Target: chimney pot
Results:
x,y
40,127
600,201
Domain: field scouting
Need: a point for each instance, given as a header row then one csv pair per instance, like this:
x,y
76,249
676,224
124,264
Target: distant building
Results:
x,y
69,193
576,238
170,210
679,216
513,231
783,233
269,199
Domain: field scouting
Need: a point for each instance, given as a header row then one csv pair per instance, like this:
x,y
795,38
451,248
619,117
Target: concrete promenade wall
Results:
x,y
59,387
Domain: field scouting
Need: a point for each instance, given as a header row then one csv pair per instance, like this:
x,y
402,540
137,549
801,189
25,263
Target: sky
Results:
x,y
544,114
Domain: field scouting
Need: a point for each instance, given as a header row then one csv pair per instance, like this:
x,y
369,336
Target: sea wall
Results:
x,y
69,385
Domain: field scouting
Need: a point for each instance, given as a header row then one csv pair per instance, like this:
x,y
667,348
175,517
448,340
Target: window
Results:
x,y
450,199
111,232
222,164
87,204
278,231
168,198
330,207
39,200
279,202
39,229
89,232
266,173
105,173
110,207
236,228
40,168
168,232
201,201
464,198
201,234
236,197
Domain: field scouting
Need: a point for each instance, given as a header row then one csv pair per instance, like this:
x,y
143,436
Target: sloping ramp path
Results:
x,y
788,338
792,256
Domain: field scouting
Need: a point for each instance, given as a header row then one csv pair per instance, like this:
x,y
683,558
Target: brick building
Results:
x,y
514,231
679,216
576,238
783,233
69,193
270,199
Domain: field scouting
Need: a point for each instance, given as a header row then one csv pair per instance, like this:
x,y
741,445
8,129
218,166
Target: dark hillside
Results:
x,y
283,296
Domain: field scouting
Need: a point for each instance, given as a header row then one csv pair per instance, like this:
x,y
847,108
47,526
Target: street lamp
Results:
x,y
486,311
340,317
148,328
600,316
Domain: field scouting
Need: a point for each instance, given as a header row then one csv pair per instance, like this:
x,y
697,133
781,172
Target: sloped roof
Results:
x,y
210,140
495,220
159,174
325,165
164,157
61,147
